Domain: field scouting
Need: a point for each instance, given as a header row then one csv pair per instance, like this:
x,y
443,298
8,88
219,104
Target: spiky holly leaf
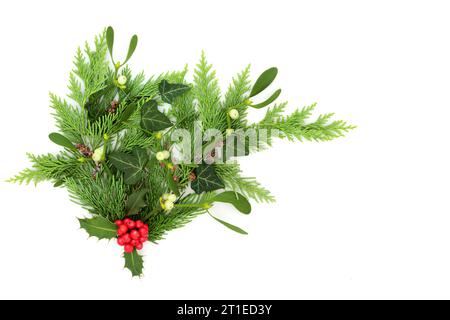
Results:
x,y
152,119
169,91
236,199
134,263
99,227
207,179
132,165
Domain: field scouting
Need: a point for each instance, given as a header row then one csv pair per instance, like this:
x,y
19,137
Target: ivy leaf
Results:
x,y
169,91
271,99
99,227
62,141
110,40
236,199
131,47
263,81
207,179
132,165
136,201
152,119
134,263
229,225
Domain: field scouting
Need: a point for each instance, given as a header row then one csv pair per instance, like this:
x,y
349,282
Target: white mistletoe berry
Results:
x,y
168,205
99,154
172,197
234,114
165,196
122,80
166,154
160,156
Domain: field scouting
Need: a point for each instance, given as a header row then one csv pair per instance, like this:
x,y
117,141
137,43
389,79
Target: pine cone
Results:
x,y
84,150
192,176
113,107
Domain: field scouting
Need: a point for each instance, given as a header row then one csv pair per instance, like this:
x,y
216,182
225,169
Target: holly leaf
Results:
x,y
236,199
207,179
62,141
132,165
99,227
169,91
263,81
152,119
134,263
136,201
229,225
271,99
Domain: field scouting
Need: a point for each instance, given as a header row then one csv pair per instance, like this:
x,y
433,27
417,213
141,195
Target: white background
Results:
x,y
366,216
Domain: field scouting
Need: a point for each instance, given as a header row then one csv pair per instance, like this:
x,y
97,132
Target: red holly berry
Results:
x,y
135,235
121,241
143,231
139,246
139,224
126,238
142,240
134,243
118,222
122,230
130,224
129,248
145,226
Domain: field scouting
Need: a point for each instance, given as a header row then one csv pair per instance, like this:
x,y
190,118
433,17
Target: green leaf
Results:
x,y
62,141
207,179
99,227
271,99
152,119
131,47
236,199
169,91
129,110
172,184
110,40
263,81
134,263
229,225
136,201
132,165
58,183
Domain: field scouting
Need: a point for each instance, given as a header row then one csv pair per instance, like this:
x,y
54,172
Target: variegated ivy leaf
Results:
x,y
207,179
169,91
99,227
152,119
132,165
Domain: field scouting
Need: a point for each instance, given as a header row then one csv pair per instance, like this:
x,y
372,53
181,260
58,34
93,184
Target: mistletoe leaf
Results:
x,y
110,40
136,201
152,119
99,227
229,225
62,141
207,179
172,184
271,99
132,165
134,263
169,91
263,81
236,199
131,47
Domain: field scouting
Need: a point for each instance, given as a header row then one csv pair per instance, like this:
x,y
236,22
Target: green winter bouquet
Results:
x,y
145,156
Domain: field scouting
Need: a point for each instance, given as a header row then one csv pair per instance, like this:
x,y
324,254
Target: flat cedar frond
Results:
x,y
123,163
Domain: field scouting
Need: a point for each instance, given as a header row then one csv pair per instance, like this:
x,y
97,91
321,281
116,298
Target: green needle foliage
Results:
x,y
119,154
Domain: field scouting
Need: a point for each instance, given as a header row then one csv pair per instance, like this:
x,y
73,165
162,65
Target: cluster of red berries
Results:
x,y
131,234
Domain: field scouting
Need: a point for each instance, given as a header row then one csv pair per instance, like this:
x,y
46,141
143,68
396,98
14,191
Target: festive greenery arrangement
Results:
x,y
123,159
